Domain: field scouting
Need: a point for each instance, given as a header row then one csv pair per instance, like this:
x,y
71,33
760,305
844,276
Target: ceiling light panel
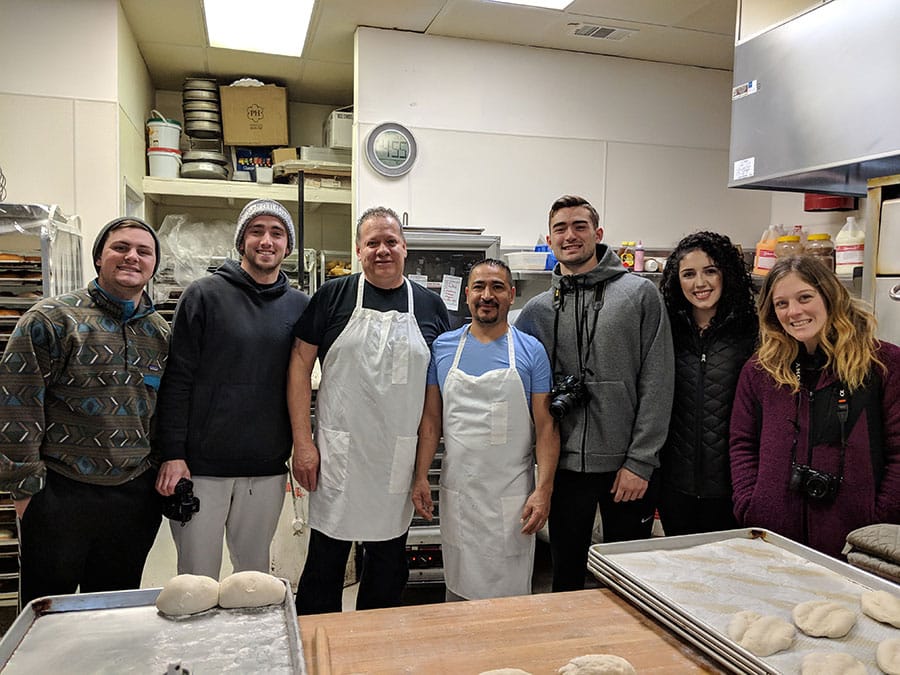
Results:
x,y
266,26
545,4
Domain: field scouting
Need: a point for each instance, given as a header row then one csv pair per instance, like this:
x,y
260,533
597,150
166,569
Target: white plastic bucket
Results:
x,y
164,162
163,133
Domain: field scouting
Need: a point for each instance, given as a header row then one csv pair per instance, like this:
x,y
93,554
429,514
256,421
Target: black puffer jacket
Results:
x,y
695,458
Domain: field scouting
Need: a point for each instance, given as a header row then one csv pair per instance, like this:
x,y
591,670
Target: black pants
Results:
x,y
385,570
89,537
573,506
684,514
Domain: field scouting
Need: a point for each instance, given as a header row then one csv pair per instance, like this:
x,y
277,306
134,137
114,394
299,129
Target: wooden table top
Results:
x,y
537,633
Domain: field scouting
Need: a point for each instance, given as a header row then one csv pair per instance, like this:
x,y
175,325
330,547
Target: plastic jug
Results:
x,y
849,247
765,251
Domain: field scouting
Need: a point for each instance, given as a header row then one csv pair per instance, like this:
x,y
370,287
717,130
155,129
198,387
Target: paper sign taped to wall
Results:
x,y
450,288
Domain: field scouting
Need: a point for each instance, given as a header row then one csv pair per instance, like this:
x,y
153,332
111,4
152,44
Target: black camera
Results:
x,y
182,505
568,394
814,484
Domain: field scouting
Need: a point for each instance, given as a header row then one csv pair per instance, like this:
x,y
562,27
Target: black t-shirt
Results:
x,y
332,305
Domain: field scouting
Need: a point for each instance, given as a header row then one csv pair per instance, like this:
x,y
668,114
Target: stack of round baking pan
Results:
x,y
204,164
200,102
203,125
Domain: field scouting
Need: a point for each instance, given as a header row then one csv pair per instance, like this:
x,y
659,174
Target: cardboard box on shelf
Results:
x,y
254,115
283,155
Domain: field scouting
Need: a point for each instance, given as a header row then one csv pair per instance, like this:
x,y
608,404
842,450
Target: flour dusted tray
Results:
x,y
122,631
694,584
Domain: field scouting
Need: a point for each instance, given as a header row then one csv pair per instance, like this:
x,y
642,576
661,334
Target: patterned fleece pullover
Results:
x,y
78,386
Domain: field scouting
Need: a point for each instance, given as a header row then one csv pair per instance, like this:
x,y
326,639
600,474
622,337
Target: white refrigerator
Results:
x,y
887,273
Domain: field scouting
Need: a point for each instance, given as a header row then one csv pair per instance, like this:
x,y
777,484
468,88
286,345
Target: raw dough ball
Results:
x,y
823,618
761,635
831,663
888,656
188,594
881,606
505,671
597,664
250,589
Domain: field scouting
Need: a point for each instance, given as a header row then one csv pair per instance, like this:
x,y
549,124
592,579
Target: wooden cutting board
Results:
x,y
537,633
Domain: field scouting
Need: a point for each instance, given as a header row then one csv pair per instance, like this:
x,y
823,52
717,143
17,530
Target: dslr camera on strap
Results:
x,y
182,505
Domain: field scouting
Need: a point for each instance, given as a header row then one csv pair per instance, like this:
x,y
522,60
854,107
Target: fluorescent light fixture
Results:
x,y
546,4
267,26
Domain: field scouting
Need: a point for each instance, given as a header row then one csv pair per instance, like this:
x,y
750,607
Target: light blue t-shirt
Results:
x,y
532,362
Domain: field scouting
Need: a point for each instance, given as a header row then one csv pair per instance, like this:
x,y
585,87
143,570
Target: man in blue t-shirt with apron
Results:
x,y
488,392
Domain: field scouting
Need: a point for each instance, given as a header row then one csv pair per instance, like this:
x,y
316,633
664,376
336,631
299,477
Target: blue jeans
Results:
x,y
385,570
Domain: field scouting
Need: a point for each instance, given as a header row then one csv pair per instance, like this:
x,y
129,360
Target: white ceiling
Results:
x,y
172,38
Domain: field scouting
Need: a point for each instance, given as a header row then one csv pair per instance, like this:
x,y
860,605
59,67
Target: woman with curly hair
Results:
x,y
709,298
815,432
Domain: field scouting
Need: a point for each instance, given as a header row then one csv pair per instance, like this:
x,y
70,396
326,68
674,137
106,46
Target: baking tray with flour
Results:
x,y
694,584
122,632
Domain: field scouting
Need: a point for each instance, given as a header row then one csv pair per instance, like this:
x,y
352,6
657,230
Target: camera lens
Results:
x,y
561,405
816,486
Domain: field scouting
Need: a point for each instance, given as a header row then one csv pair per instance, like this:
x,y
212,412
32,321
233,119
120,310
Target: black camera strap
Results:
x,y
583,338
842,409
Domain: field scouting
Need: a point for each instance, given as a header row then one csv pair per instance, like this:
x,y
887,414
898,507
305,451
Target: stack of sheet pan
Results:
x,y
695,584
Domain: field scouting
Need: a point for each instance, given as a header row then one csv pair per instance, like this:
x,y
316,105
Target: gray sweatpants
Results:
x,y
244,510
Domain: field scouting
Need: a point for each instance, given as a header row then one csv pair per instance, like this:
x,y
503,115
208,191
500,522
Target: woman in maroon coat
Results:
x,y
815,428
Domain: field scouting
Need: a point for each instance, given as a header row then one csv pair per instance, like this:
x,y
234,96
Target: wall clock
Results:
x,y
391,149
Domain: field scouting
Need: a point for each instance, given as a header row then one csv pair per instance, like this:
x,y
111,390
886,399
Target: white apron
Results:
x,y
368,409
487,473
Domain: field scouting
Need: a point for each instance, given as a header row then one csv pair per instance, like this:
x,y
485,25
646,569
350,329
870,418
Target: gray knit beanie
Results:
x,y
115,224
263,207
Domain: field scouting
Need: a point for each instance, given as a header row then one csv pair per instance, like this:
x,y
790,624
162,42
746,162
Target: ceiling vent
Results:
x,y
593,30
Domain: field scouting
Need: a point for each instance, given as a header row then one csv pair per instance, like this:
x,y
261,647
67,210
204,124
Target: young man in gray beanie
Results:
x,y
78,389
223,418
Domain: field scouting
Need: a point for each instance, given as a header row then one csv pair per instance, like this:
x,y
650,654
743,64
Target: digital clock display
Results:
x,y
391,149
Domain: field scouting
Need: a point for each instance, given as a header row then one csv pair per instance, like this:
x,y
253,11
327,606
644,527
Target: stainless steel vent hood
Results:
x,y
816,103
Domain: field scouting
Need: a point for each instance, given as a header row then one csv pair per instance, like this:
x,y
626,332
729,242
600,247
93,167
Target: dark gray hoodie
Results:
x,y
628,369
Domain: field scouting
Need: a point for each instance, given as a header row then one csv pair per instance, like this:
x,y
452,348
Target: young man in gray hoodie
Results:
x,y
610,348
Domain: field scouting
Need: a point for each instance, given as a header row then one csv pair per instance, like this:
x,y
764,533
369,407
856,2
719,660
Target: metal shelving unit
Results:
x,y
42,248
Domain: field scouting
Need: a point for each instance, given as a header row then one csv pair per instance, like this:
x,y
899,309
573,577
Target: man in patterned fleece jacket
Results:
x,y
78,385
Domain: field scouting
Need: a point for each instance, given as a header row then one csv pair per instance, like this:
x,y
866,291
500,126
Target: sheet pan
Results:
x,y
122,631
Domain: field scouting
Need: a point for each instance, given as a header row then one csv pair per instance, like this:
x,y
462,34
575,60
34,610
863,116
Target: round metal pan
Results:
x,y
200,83
203,129
200,106
203,170
201,116
205,156
199,95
